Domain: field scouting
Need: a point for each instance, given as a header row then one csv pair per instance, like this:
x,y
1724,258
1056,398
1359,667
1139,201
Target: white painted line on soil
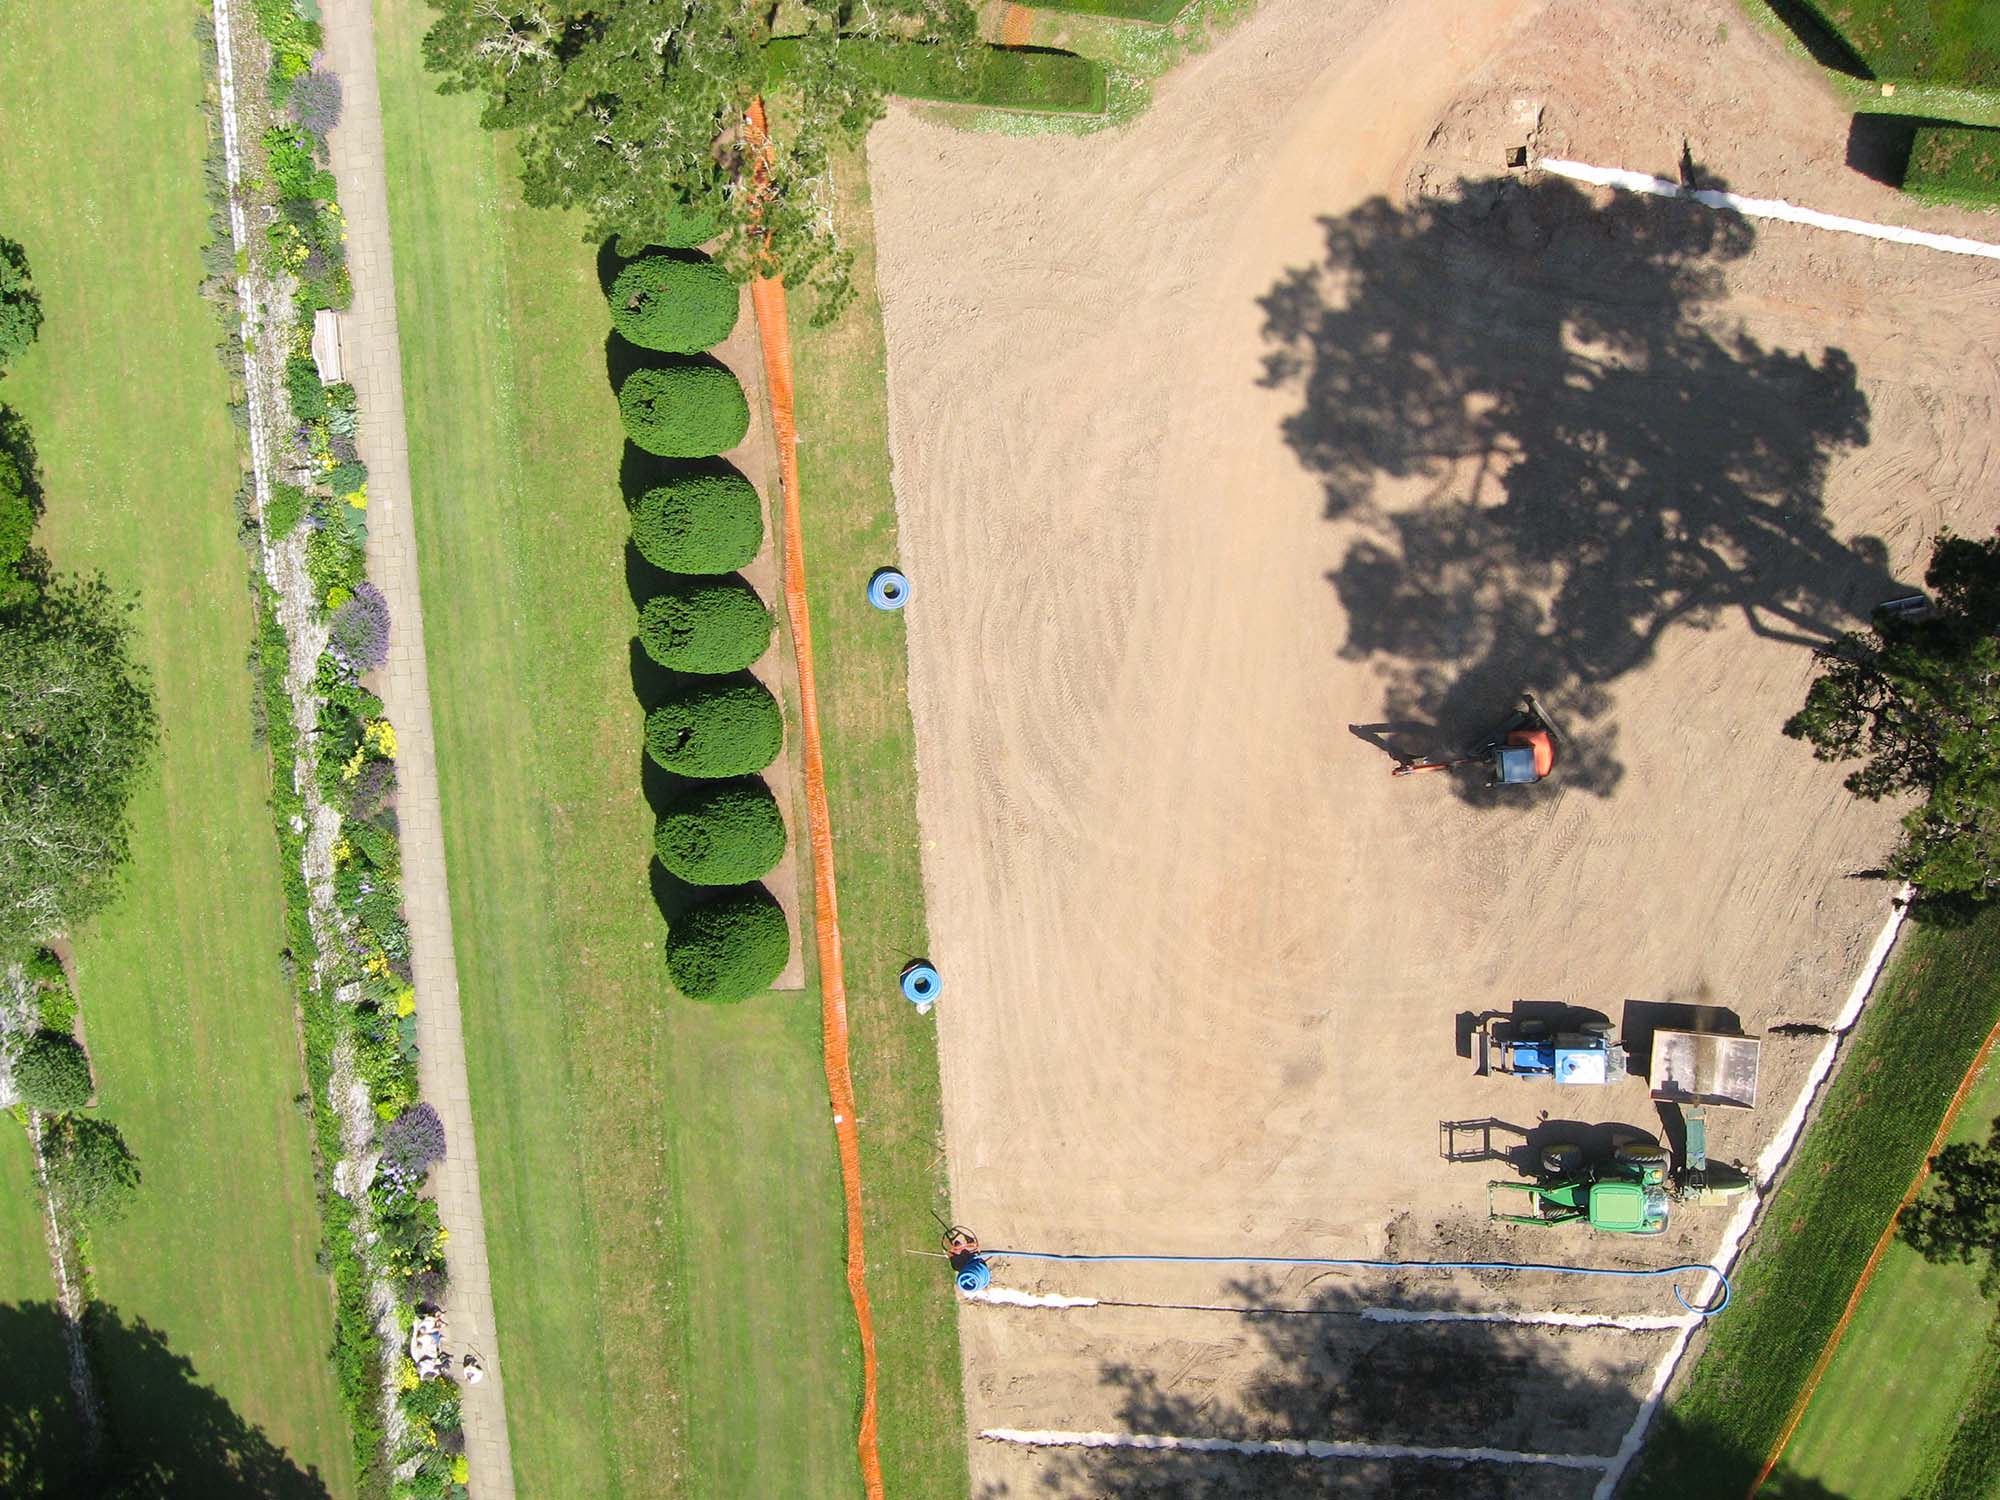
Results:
x,y
1768,1166
1767,208
1006,1296
1003,1296
1288,1448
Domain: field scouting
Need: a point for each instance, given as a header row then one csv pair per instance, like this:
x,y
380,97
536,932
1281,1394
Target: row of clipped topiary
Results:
x,y
723,832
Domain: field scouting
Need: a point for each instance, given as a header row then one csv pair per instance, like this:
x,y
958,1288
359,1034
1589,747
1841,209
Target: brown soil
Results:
x,y
1287,410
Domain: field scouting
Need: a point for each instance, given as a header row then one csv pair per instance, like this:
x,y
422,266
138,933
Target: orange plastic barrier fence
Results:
x,y
1799,1406
767,296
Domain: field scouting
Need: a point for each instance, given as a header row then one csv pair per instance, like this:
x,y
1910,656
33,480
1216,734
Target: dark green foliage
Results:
x,y
730,729
1937,41
332,561
1029,78
684,410
17,511
611,122
699,523
1954,164
77,729
705,625
20,308
1919,702
287,506
377,845
727,834
92,1172
294,172
1932,1008
345,479
728,948
302,384
51,1072
1958,1216
670,303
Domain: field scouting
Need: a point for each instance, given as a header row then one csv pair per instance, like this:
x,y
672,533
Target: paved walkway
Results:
x,y
372,360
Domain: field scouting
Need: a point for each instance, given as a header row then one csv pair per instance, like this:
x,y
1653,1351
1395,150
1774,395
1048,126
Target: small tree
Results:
x,y
680,306
730,947
20,308
1919,700
727,834
731,729
705,625
51,1072
92,1172
699,523
1958,1216
684,410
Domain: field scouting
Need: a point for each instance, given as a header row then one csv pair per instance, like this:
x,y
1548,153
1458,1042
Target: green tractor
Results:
x,y
1630,1196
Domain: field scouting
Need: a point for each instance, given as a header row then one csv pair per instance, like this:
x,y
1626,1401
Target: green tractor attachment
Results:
x,y
1629,1196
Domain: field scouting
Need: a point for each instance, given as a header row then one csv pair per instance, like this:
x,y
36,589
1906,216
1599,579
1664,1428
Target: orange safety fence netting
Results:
x,y
767,296
1798,1411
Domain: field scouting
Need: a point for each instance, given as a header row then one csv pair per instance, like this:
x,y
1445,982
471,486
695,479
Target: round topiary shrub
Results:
x,y
684,411
705,625
51,1072
680,306
730,947
728,834
729,729
699,523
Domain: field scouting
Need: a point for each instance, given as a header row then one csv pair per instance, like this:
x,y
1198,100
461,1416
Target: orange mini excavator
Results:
x,y
1520,753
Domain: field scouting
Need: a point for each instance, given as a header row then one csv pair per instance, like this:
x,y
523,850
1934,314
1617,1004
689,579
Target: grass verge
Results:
x,y
1804,33
1935,1005
46,1436
190,1024
1038,80
1932,41
850,531
662,1195
1159,11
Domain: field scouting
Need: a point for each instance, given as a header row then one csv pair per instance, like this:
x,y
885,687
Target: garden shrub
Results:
x,y
699,523
679,306
377,845
93,1171
1954,164
730,947
727,834
360,630
684,410
302,384
729,729
51,1072
287,506
344,479
294,172
413,1144
332,561
314,101
705,625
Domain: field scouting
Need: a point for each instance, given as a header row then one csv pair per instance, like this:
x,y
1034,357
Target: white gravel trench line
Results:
x,y
372,360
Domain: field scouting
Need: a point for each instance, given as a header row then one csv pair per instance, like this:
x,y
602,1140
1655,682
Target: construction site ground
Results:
x,y
1289,427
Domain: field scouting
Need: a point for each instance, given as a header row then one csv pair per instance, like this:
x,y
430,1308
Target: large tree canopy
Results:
x,y
1918,698
76,729
634,112
1958,1217
20,308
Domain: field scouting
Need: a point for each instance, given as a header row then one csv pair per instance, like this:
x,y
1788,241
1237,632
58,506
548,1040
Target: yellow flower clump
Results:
x,y
406,1374
380,736
406,1003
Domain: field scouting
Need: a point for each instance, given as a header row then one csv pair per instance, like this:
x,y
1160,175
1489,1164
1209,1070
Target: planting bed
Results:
x,y
1341,425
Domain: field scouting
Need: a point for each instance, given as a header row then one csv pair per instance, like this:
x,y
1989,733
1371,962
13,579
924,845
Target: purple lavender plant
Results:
x,y
361,630
412,1145
372,789
315,101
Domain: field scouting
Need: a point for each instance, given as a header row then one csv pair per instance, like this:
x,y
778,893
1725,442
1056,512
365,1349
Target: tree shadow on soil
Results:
x,y
167,1435
1330,1373
1585,453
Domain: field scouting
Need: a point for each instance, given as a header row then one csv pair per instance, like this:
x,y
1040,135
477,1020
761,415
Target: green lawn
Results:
x,y
1933,1008
39,1447
1935,41
189,1022
661,1190
1913,1353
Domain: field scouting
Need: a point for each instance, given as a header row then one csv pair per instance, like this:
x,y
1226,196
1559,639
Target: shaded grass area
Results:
x,y
1130,10
40,1434
188,1016
1917,1358
1936,1002
862,668
662,1196
1957,164
1934,41
1029,78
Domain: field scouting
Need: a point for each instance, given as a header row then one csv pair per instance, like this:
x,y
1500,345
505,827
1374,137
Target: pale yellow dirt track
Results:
x,y
1288,409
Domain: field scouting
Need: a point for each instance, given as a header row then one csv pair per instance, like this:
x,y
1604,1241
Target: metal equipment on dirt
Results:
x,y
1632,1195
1530,1049
1519,753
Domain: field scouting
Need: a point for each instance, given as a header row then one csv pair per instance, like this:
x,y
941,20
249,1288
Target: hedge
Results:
x,y
684,410
730,947
729,833
680,306
51,1072
729,729
1030,78
699,523
1954,164
705,625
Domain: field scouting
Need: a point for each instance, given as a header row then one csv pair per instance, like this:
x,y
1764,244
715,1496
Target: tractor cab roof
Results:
x,y
1628,1208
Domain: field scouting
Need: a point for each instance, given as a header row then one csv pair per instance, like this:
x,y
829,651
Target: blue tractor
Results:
x,y
1533,1049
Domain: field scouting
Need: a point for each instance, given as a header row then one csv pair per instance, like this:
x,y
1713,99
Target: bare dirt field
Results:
x,y
1286,410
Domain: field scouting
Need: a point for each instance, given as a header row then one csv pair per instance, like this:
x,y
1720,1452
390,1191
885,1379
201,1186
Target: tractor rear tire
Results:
x,y
1561,1159
1645,1155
